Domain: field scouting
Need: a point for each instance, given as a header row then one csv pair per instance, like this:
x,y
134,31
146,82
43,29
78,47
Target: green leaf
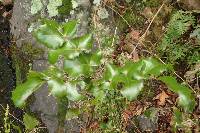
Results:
x,y
30,122
69,28
143,68
69,53
96,58
99,91
73,67
177,119
83,42
111,72
53,56
132,90
49,35
186,99
70,50
82,65
17,128
52,24
23,91
121,78
72,114
133,70
153,67
72,92
57,87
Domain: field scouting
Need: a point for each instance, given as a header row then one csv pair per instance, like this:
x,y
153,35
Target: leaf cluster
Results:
x,y
60,40
81,62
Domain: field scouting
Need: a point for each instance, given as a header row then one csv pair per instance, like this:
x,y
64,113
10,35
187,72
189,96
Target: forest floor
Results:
x,y
168,30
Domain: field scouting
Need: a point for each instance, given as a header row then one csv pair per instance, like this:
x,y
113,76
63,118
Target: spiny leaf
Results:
x,y
52,24
121,78
111,72
46,35
73,67
57,87
83,42
143,68
186,99
30,122
133,70
82,65
69,28
96,58
53,71
132,90
153,67
72,92
23,91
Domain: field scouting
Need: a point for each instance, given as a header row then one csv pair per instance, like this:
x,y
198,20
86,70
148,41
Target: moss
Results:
x,y
65,8
138,4
152,3
132,18
22,59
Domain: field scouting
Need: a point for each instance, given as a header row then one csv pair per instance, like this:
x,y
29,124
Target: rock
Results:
x,y
190,4
146,124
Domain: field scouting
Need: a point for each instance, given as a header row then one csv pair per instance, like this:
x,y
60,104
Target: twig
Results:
x,y
143,36
11,115
113,40
119,15
136,127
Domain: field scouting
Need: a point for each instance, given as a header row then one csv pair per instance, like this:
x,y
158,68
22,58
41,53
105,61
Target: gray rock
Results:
x,y
146,124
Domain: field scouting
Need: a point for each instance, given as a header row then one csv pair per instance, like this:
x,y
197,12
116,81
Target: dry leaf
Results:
x,y
94,125
135,34
161,98
147,12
